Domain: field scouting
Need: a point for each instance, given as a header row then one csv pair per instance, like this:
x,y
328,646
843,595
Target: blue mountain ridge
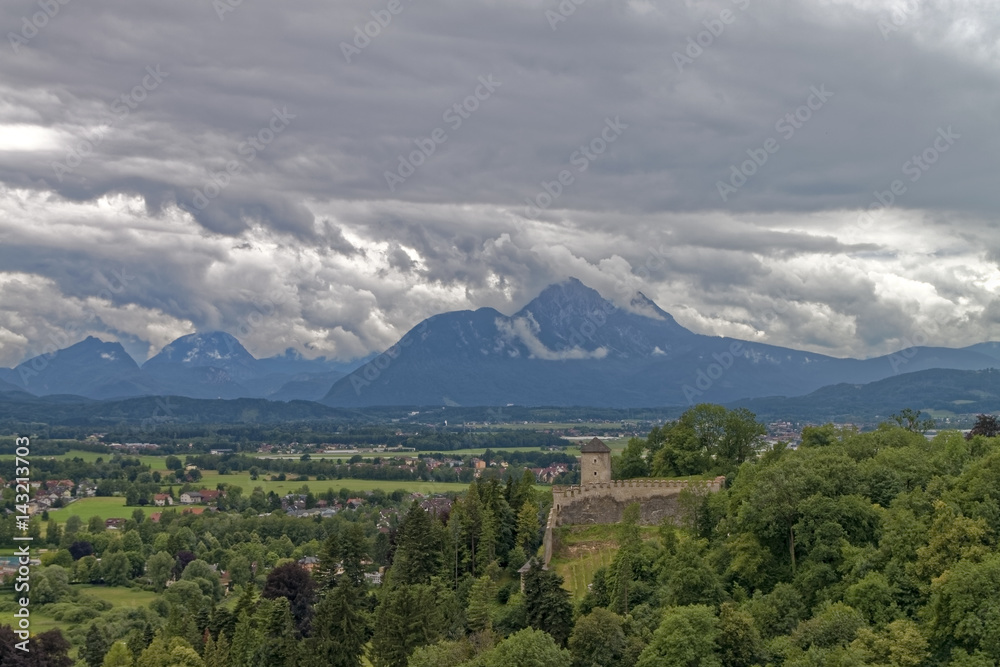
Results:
x,y
567,347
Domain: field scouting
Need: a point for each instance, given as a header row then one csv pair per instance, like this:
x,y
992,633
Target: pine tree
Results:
x,y
547,603
527,527
340,629
246,640
247,602
329,561
181,624
95,646
471,518
418,551
278,646
217,652
355,548
623,567
480,602
407,617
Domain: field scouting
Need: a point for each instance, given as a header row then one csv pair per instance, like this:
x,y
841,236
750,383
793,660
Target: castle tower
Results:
x,y
595,462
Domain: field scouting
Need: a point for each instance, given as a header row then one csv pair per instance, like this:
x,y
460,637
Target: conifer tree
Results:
x,y
246,639
527,527
96,645
418,551
480,602
340,629
217,653
547,603
278,646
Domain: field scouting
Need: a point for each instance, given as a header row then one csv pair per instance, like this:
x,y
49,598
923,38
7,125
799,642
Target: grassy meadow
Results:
x,y
581,550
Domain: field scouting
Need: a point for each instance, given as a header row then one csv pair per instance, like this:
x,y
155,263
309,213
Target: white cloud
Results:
x,y
525,330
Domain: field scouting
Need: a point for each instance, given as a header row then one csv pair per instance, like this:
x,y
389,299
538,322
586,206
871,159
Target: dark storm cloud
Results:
x,y
470,153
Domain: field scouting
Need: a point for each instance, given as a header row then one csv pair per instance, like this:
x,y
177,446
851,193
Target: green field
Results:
x,y
106,508
344,456
154,462
109,507
211,478
119,596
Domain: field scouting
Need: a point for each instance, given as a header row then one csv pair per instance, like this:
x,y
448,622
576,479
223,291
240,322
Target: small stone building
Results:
x,y
595,462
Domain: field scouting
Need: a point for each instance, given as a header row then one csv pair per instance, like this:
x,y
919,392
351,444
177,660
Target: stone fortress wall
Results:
x,y
598,499
605,502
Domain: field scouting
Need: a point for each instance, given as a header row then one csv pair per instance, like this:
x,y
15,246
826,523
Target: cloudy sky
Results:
x,y
392,159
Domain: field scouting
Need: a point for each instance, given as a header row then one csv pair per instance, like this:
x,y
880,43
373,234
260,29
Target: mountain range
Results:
x,y
571,347
567,347
209,365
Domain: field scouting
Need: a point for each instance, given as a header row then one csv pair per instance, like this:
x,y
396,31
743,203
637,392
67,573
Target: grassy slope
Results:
x,y
581,550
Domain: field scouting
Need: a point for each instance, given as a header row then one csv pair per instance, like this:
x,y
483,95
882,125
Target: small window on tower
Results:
x,y
595,460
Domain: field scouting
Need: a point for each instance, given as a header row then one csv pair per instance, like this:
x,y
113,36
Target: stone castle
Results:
x,y
598,499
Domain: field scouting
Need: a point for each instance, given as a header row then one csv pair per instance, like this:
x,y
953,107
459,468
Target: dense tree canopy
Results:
x,y
855,548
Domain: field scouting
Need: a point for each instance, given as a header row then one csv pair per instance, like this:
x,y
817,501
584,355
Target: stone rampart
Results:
x,y
605,502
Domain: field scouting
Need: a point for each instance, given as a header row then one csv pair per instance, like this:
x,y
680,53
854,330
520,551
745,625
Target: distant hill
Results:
x,y
959,392
149,412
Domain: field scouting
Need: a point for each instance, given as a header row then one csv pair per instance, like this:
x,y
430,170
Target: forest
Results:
x,y
855,548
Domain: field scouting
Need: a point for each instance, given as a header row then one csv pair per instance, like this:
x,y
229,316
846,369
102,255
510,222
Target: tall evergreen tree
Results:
x,y
95,646
623,567
278,646
408,616
340,629
246,639
354,549
217,653
528,527
547,603
418,550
